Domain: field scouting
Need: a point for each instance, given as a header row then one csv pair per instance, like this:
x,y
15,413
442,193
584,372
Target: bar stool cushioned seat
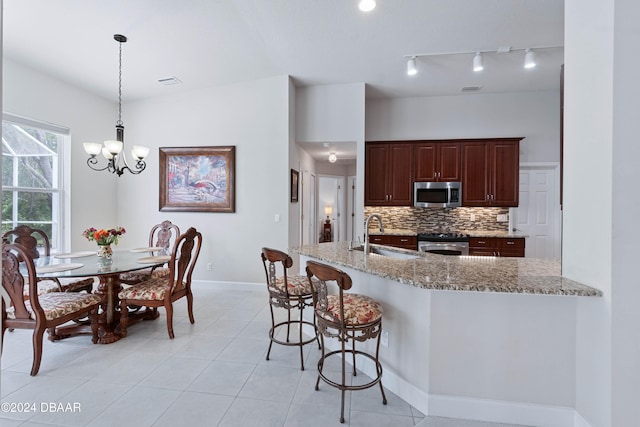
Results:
x,y
358,309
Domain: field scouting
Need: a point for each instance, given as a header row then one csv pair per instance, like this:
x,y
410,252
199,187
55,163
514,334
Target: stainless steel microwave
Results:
x,y
437,194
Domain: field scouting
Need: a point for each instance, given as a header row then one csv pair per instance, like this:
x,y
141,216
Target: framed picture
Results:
x,y
197,179
294,186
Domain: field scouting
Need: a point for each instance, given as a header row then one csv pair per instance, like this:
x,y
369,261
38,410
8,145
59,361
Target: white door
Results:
x,y
308,207
538,214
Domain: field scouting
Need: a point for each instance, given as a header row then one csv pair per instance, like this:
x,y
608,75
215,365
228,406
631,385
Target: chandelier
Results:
x,y
113,151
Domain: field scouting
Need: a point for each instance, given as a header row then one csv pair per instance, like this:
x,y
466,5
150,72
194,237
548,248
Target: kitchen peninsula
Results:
x,y
486,338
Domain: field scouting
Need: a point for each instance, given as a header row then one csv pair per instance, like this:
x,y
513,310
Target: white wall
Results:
x,y
532,115
252,116
587,226
626,211
30,93
336,113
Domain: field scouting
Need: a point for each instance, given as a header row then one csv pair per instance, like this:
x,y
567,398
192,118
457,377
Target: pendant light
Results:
x,y
113,150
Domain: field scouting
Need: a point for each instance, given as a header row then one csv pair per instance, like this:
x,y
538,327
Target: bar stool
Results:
x,y
288,292
349,318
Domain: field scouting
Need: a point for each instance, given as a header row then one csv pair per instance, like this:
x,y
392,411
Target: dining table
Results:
x,y
88,264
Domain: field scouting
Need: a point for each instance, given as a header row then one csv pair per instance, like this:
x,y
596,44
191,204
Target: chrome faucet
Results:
x,y
366,231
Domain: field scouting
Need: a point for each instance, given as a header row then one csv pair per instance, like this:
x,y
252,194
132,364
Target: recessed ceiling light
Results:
x,y
169,81
367,5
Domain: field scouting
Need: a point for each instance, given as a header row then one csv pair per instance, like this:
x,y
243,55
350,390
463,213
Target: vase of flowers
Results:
x,y
104,238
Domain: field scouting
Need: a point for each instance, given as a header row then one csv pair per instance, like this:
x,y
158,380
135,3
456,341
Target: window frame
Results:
x,y
60,238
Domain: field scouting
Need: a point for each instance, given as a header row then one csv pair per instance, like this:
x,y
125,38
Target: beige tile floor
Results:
x,y
214,373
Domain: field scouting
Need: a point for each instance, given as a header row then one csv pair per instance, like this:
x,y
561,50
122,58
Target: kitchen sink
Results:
x,y
388,253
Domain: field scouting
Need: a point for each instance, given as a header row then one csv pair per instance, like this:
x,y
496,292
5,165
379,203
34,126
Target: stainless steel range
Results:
x,y
444,243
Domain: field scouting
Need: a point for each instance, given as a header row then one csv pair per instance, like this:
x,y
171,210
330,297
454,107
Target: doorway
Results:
x,y
308,205
331,205
538,214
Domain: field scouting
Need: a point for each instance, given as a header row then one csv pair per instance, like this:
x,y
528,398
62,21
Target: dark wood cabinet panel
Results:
x,y
437,161
497,246
475,176
404,242
491,172
505,173
388,174
376,158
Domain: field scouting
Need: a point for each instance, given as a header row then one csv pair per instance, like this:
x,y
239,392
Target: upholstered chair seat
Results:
x,y
58,304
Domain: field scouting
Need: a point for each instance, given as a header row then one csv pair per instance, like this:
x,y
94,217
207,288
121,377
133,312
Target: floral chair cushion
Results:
x,y
142,275
66,285
297,285
358,309
58,304
153,289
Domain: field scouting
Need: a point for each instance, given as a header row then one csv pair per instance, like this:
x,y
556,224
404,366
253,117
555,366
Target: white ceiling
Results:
x,y
219,42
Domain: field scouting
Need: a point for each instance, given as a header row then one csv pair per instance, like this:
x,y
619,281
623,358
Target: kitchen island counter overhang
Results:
x,y
471,337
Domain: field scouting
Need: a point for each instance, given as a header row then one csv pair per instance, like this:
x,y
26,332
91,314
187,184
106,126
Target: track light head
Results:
x,y
412,69
477,62
367,5
529,59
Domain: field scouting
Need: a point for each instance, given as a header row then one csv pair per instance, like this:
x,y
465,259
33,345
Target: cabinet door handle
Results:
x,y
481,242
404,240
511,243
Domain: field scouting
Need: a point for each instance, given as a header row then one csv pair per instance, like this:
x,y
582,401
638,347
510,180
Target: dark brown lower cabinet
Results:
x,y
404,242
497,246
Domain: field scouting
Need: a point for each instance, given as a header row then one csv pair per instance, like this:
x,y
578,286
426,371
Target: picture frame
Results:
x,y
294,185
197,179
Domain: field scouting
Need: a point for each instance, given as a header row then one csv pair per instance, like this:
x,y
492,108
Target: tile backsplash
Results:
x,y
445,219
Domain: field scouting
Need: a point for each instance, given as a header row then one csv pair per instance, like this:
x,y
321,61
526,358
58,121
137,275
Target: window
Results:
x,y
32,190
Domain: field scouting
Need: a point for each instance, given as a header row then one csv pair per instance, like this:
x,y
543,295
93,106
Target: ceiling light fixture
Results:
x,y
477,62
412,69
332,157
367,5
529,59
113,150
529,62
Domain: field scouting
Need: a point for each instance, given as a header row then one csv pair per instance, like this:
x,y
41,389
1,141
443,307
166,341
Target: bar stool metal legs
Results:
x,y
349,318
293,292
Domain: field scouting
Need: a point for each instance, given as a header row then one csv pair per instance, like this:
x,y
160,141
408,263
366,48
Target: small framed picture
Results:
x,y
294,185
197,179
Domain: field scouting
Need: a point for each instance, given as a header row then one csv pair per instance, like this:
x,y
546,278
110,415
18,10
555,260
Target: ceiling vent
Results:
x,y
467,89
169,81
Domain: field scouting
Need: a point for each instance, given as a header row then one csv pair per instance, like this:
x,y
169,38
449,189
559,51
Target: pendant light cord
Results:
x,y
120,87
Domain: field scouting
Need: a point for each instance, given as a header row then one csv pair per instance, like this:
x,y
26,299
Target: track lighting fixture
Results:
x,y
477,62
529,59
412,70
478,65
367,5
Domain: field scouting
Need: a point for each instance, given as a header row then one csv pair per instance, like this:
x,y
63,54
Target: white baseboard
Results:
x,y
231,286
501,411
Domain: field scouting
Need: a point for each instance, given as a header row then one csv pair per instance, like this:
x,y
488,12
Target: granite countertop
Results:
x,y
454,273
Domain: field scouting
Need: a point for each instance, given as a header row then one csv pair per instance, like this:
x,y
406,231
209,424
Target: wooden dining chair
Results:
x,y
163,291
31,239
162,235
39,312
